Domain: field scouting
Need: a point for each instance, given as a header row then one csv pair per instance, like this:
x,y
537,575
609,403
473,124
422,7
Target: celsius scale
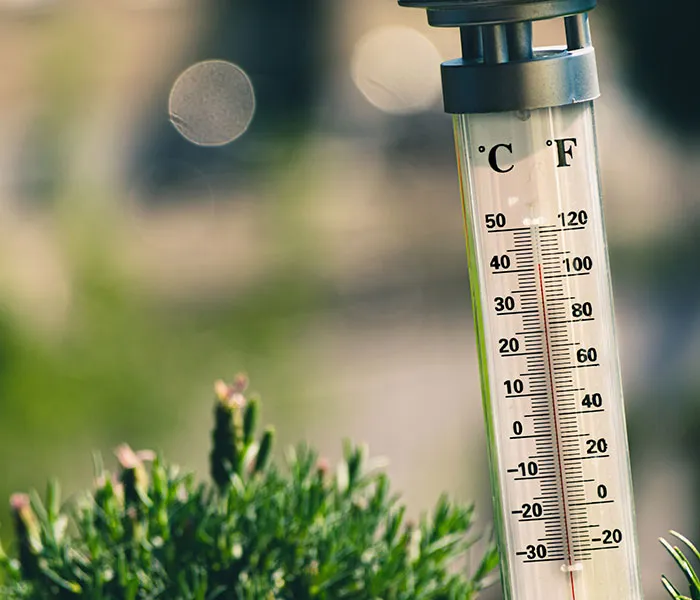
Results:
x,y
542,300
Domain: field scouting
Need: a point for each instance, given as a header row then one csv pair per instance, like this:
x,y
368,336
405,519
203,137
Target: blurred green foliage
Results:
x,y
124,363
126,360
258,532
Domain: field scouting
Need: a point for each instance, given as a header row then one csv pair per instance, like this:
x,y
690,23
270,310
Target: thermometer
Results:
x,y
541,294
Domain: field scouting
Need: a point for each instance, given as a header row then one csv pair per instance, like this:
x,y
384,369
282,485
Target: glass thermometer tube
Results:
x,y
541,293
550,371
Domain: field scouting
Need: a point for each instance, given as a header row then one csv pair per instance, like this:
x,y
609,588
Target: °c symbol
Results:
x,y
493,158
482,149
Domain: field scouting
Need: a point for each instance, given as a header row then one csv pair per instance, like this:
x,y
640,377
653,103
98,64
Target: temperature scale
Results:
x,y
541,293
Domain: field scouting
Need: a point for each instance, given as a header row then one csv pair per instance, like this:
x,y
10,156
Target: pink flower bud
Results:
x,y
240,383
127,458
19,502
146,455
222,391
323,466
232,395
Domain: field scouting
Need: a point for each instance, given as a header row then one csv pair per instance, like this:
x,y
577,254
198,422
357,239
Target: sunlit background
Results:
x,y
193,188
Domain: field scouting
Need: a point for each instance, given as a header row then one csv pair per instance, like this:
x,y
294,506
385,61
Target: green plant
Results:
x,y
259,532
686,567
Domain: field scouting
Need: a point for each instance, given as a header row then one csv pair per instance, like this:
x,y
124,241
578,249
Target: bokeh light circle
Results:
x,y
212,103
397,69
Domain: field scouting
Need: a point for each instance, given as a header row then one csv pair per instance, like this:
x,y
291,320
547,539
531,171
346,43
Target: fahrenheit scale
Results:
x,y
542,299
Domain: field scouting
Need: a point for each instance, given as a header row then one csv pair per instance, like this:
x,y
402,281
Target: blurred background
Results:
x,y
142,257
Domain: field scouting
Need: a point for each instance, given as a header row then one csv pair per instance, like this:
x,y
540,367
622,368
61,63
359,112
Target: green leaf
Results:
x,y
53,500
71,586
487,565
265,450
250,420
38,508
687,543
673,592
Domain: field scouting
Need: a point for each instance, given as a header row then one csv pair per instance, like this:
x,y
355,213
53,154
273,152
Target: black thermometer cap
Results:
x,y
500,70
461,13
